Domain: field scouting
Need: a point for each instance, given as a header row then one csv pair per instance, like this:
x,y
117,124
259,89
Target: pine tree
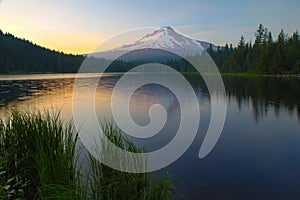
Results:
x,y
259,35
242,42
270,38
230,48
280,54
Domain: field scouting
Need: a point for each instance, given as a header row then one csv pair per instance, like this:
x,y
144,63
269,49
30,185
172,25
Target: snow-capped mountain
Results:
x,y
163,39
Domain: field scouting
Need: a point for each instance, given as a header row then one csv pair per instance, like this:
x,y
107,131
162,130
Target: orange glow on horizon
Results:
x,y
74,42
67,43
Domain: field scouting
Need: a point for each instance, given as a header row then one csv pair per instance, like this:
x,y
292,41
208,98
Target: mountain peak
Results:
x,y
166,28
164,38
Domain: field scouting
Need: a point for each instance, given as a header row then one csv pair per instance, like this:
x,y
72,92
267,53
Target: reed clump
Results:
x,y
39,160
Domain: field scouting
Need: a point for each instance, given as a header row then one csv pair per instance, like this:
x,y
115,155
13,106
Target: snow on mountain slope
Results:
x,y
164,38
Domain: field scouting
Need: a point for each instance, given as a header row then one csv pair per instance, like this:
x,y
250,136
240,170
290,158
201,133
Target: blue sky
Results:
x,y
78,26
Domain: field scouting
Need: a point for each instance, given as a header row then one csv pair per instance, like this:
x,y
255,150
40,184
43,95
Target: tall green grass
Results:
x,y
38,160
39,149
110,184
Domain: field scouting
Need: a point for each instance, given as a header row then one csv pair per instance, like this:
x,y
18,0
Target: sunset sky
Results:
x,y
79,26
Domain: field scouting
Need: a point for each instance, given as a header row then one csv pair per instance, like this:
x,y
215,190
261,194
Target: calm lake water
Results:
x,y
256,157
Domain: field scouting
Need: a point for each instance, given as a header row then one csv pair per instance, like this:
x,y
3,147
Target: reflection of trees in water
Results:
x,y
261,93
264,93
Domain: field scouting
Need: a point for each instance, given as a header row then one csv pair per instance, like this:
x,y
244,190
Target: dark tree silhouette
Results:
x,y
265,56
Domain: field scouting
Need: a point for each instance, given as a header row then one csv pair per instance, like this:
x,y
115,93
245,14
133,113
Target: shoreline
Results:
x,y
282,75
191,73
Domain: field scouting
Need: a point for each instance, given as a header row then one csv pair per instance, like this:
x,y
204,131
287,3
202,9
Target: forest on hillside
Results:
x,y
20,55
266,56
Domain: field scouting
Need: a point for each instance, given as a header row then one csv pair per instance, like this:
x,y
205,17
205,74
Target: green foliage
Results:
x,y
110,184
10,188
38,149
265,56
39,161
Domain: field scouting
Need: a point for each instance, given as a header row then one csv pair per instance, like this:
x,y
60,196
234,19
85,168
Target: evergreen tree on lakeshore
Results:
x,y
264,56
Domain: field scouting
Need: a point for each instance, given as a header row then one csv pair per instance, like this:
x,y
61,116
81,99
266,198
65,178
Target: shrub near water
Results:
x,y
38,161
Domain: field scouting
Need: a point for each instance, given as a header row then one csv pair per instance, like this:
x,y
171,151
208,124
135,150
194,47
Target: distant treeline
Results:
x,y
266,55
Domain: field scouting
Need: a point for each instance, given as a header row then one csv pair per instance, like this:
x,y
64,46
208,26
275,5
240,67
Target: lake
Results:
x,y
257,155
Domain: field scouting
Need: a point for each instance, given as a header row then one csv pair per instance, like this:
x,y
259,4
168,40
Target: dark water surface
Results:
x,y
256,157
